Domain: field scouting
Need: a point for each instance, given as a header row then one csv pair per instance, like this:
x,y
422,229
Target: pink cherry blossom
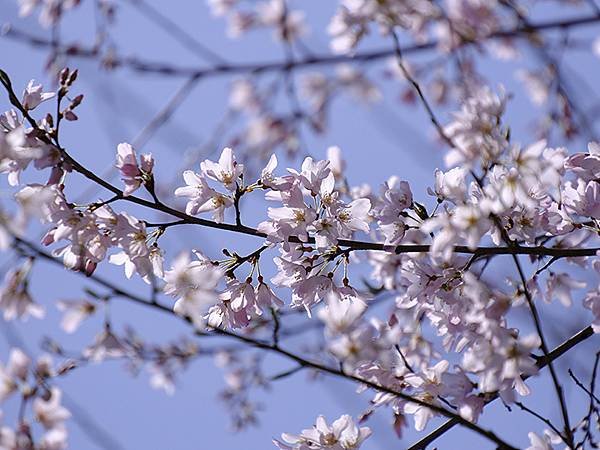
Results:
x,y
33,95
133,174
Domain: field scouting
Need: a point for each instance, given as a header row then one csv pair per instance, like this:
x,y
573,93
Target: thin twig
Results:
x,y
540,417
542,362
568,433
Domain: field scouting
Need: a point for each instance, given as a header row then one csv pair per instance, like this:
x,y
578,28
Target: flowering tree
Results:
x,y
400,286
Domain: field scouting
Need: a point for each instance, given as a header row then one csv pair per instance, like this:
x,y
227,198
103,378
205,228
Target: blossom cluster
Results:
x,y
21,377
463,20
342,434
416,295
288,25
493,191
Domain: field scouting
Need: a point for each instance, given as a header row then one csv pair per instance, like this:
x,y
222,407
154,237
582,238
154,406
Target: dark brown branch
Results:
x,y
116,291
583,388
587,422
542,362
569,440
242,229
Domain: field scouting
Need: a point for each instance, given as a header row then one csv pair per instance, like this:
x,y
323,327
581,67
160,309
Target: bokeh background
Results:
x,y
116,409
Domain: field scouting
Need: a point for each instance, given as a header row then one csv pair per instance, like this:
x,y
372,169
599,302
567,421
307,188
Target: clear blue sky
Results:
x,y
378,141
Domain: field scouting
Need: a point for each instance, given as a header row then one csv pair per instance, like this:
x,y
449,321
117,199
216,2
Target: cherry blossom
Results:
x,y
431,300
13,373
75,312
226,171
546,442
475,131
202,197
193,282
133,174
15,300
106,345
343,433
449,185
339,315
560,285
50,412
34,95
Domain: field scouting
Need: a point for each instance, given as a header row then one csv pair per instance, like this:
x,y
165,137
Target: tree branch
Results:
x,y
542,362
275,348
141,65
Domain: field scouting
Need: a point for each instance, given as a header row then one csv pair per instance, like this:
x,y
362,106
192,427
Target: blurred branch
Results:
x,y
101,437
562,87
173,29
141,65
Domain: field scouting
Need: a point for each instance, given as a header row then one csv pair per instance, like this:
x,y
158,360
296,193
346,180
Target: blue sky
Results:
x,y
378,141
